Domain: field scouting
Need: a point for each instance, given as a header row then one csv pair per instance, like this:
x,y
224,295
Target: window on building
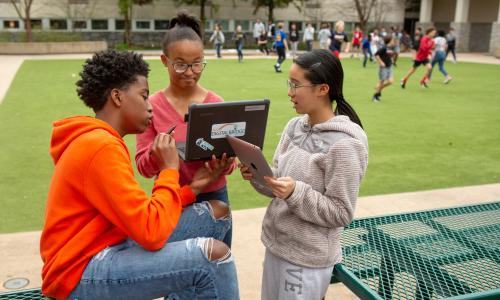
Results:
x,y
142,25
11,24
119,24
161,24
78,1
99,24
58,24
36,24
245,24
80,25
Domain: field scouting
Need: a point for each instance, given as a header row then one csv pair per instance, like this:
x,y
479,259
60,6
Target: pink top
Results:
x,y
164,117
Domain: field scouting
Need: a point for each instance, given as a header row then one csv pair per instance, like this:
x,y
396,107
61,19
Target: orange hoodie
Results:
x,y
94,201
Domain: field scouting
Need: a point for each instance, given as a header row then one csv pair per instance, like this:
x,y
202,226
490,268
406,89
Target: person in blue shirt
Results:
x,y
367,52
281,47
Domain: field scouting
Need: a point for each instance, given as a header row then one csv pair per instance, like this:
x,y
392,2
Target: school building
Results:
x,y
476,22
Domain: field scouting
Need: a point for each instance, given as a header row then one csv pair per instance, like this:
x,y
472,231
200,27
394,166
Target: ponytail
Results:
x,y
344,108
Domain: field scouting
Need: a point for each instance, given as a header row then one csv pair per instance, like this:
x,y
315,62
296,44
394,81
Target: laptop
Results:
x,y
210,123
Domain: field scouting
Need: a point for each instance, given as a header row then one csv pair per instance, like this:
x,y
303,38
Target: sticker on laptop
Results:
x,y
204,144
220,131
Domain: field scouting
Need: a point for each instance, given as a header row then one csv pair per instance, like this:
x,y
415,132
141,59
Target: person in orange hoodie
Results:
x,y
103,237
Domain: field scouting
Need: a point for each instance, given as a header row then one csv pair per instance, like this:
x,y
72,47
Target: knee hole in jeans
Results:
x,y
219,209
216,250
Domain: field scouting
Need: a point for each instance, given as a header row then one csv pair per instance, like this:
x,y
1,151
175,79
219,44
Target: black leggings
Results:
x,y
281,54
451,48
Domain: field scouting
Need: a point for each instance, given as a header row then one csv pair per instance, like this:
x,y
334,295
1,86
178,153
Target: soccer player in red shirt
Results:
x,y
357,36
422,58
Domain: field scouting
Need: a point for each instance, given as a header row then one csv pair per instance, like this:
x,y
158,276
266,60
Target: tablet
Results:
x,y
251,156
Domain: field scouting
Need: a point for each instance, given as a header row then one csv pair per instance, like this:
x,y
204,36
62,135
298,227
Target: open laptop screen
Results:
x,y
209,124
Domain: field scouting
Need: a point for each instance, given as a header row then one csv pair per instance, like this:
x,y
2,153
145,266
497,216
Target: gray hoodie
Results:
x,y
327,162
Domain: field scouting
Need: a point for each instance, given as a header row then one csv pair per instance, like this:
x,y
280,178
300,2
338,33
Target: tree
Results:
x,y
125,8
23,9
272,4
364,10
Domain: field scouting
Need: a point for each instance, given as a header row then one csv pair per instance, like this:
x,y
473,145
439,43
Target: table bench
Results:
x,y
451,253
31,294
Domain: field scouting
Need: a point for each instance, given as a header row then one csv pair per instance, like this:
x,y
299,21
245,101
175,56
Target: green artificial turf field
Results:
x,y
445,136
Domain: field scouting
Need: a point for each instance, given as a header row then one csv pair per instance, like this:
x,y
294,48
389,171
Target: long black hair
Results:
x,y
321,67
183,27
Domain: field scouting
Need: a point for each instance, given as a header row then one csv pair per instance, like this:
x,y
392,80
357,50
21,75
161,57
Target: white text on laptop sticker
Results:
x,y
204,144
220,131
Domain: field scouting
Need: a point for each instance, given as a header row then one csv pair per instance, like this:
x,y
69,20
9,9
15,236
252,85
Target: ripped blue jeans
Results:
x,y
180,270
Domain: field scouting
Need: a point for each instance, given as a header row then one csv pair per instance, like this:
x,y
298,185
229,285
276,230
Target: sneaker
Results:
x,y
276,68
447,80
403,83
376,97
423,83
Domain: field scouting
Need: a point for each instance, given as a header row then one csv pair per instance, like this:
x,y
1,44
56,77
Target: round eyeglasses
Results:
x,y
196,67
292,87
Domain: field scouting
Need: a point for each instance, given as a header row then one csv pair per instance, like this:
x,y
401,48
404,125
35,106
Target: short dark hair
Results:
x,y
322,67
107,70
387,39
183,27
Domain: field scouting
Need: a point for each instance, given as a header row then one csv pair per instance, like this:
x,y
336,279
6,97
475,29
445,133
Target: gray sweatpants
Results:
x,y
282,280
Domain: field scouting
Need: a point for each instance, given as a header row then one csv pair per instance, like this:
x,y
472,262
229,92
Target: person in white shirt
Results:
x,y
309,36
258,27
440,55
218,39
324,36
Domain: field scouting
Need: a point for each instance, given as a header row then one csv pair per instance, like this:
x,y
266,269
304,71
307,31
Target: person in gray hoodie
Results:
x,y
318,166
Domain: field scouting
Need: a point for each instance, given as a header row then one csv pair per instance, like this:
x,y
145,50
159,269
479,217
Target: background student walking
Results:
x,y
339,36
384,58
324,36
426,44
440,56
308,37
317,170
218,39
294,39
451,41
239,38
281,44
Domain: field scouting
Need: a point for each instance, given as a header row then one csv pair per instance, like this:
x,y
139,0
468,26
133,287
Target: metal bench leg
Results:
x,y
386,282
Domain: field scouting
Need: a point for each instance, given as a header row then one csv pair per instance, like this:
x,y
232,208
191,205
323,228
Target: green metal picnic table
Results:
x,y
451,253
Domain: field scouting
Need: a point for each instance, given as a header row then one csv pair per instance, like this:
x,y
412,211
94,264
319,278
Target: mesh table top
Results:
x,y
32,294
437,254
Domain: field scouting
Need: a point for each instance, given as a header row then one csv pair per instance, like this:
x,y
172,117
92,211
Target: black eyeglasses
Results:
x,y
196,67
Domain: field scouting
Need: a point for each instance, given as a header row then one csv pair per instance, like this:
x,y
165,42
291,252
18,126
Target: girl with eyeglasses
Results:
x,y
318,166
184,61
